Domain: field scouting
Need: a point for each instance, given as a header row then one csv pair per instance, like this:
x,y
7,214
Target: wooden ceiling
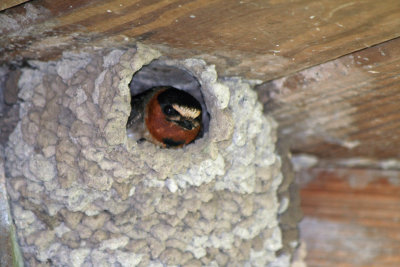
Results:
x,y
330,68
349,107
254,38
10,3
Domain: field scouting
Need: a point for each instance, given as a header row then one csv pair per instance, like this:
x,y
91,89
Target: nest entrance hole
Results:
x,y
157,73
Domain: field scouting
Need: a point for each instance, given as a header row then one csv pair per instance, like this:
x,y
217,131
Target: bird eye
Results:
x,y
170,111
188,125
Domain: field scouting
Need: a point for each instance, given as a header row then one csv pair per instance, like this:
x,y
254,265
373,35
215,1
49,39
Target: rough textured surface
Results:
x,y
5,221
289,212
83,194
8,96
10,254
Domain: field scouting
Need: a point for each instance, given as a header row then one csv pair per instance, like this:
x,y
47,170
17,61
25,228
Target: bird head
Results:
x,y
174,117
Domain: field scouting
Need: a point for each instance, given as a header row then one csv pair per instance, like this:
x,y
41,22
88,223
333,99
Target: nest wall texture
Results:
x,y
84,194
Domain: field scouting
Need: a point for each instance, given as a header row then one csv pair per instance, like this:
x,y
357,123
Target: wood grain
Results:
x,y
345,108
352,217
4,4
256,39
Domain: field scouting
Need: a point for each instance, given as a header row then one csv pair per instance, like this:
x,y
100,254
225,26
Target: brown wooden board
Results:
x,y
256,39
352,217
349,107
4,4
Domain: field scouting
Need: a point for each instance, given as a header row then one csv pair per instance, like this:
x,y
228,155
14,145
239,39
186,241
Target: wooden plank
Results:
x,y
4,4
352,217
345,108
256,39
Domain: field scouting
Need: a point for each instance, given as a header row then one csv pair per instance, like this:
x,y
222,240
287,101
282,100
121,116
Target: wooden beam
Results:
x,y
4,4
345,108
256,39
351,218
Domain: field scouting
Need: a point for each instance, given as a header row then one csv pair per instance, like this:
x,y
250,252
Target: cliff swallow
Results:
x,y
165,116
